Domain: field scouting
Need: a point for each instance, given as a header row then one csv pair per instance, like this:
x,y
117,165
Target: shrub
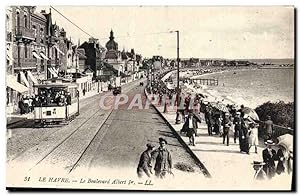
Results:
x,y
281,113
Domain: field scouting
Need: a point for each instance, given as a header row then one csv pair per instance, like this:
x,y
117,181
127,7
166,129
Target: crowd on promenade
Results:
x,y
224,119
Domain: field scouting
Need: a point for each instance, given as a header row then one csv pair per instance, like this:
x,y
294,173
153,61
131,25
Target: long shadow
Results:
x,y
31,124
138,121
221,151
166,134
215,143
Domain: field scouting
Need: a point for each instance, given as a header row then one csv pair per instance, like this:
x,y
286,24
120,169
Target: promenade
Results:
x,y
229,169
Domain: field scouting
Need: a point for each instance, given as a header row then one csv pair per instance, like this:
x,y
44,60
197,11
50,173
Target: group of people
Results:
x,y
267,169
158,159
50,98
45,98
26,104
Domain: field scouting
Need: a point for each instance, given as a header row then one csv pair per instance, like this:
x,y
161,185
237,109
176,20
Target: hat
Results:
x,y
226,114
238,113
245,116
149,145
162,140
258,163
269,142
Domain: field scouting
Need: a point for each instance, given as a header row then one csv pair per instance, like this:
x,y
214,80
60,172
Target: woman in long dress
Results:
x,y
253,136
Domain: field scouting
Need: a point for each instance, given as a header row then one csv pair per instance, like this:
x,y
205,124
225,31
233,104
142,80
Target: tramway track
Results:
x,y
76,163
66,138
87,139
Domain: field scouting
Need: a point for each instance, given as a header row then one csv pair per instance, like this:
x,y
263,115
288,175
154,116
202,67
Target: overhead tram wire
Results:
x,y
70,21
128,36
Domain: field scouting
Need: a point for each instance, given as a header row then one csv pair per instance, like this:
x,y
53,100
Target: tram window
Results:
x,y
51,97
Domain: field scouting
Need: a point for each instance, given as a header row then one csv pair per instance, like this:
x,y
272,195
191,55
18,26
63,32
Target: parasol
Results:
x,y
251,113
286,141
219,106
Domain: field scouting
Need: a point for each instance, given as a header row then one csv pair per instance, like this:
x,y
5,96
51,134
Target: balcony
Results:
x,y
24,33
25,64
54,62
51,40
9,36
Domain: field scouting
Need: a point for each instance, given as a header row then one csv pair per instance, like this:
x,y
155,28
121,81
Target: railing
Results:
x,y
26,64
52,40
53,62
211,82
22,32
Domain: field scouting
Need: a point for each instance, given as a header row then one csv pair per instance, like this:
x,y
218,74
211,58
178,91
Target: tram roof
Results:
x,y
55,85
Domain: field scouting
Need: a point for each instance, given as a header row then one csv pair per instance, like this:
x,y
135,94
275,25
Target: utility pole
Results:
x,y
178,90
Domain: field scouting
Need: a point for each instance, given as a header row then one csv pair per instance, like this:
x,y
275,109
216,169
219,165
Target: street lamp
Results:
x,y
178,91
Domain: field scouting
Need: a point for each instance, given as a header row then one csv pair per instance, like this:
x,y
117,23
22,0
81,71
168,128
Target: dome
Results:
x,y
111,44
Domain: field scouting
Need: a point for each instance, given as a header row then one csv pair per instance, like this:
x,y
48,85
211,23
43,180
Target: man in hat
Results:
x,y
269,156
237,125
208,119
259,172
269,127
162,158
226,127
144,166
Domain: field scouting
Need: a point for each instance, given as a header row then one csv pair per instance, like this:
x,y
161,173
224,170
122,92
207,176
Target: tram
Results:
x,y
56,103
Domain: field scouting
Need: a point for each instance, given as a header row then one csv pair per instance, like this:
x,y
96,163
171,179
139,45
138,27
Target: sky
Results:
x,y
205,32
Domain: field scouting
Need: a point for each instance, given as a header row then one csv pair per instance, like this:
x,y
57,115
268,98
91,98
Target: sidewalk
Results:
x,y
229,169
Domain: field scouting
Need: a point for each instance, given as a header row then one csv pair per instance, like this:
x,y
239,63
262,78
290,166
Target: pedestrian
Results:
x,y
144,166
162,159
237,121
226,127
30,100
259,172
243,135
208,119
191,129
26,104
268,128
253,136
83,92
180,109
282,157
269,156
21,106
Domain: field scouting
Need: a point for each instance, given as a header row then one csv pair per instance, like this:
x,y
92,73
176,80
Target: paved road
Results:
x,y
106,142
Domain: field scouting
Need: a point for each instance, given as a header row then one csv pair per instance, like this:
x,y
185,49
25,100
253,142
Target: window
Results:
x,y
26,51
18,19
42,65
25,21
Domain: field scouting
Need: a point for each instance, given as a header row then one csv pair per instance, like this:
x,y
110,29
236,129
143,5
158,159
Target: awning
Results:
x,y
58,50
44,56
52,72
9,57
36,55
11,82
24,79
34,80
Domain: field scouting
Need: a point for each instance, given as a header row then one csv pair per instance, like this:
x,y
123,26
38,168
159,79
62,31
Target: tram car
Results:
x,y
56,103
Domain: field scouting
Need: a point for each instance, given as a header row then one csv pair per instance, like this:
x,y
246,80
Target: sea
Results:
x,y
252,87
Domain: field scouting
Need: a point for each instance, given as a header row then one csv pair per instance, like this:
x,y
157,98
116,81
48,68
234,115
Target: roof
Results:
x,y
88,70
55,85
